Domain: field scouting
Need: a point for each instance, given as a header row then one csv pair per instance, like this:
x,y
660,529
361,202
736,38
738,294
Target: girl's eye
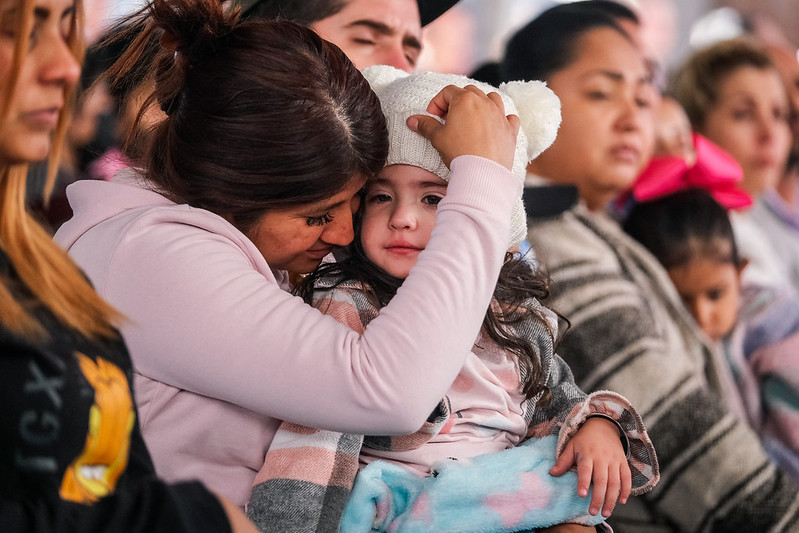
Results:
x,y
379,198
327,218
431,199
715,295
742,114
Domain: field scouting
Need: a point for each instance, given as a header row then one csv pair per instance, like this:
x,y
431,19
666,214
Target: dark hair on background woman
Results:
x,y
518,283
261,114
304,12
549,42
684,226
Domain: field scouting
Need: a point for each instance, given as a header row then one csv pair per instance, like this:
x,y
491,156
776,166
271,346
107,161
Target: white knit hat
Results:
x,y
402,95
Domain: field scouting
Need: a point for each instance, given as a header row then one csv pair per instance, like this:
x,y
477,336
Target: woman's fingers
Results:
x,y
473,123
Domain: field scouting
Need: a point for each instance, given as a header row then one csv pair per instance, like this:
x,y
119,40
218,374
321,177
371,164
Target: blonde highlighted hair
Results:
x,y
42,266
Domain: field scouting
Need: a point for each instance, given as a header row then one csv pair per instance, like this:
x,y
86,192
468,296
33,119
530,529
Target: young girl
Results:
x,y
755,328
512,386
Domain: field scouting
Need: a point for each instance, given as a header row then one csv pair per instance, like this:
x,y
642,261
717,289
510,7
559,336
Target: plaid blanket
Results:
x,y
308,474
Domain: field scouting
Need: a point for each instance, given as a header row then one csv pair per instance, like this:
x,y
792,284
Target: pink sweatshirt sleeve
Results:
x,y
201,317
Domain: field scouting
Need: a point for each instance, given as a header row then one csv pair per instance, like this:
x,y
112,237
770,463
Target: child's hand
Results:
x,y
599,455
475,124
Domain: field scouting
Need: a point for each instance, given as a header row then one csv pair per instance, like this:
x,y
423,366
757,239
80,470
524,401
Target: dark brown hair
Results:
x,y
304,12
551,41
682,227
261,114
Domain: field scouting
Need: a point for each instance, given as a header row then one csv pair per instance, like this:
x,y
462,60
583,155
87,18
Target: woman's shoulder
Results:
x,y
575,237
123,218
129,203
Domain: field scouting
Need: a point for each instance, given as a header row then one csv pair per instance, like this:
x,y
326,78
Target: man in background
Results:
x,y
370,32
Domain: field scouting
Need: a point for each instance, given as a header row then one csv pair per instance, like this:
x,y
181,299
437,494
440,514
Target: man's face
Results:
x,y
376,32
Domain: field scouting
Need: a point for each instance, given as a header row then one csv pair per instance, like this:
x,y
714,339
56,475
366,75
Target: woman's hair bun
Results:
x,y
190,30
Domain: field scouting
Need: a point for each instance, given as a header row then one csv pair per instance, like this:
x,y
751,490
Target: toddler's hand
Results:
x,y
599,455
475,124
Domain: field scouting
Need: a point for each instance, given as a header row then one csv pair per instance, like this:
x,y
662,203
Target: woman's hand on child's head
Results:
x,y
597,451
475,124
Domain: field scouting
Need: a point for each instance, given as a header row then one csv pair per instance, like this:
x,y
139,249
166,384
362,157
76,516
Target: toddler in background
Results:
x,y
514,403
755,328
673,135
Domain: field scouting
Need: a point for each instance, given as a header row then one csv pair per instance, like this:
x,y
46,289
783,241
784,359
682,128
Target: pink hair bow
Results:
x,y
714,171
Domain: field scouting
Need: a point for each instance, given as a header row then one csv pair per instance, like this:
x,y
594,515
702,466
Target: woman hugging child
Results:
x,y
495,454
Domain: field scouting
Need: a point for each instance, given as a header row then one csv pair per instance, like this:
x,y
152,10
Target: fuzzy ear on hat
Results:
x,y
539,113
402,95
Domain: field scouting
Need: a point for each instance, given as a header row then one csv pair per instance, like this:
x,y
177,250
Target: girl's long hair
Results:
x,y
517,284
42,267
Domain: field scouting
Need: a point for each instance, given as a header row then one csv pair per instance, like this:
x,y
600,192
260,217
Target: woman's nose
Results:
x,y
630,114
58,64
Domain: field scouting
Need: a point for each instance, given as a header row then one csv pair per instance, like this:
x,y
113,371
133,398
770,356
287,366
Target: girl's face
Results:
x,y
673,135
47,70
710,290
298,238
750,121
607,132
399,213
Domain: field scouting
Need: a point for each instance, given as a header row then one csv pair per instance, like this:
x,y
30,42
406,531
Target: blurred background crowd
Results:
x,y
463,38
475,30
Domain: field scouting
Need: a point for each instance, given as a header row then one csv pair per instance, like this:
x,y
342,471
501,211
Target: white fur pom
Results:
x,y
539,112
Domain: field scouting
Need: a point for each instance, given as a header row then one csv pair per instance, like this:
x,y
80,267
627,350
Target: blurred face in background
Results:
x,y
49,67
787,63
673,135
750,121
606,134
376,32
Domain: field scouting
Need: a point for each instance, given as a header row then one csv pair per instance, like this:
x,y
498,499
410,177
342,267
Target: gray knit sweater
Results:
x,y
630,333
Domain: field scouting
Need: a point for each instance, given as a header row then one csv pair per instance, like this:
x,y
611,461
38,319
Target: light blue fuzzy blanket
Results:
x,y
499,492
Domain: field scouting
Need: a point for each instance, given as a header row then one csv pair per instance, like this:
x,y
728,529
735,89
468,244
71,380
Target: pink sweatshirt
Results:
x,y
222,352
